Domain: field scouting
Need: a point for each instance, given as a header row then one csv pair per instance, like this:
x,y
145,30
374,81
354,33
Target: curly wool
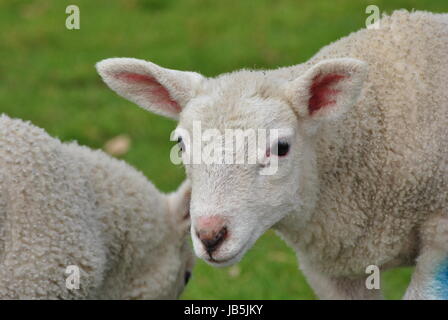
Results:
x,y
387,158
366,179
64,204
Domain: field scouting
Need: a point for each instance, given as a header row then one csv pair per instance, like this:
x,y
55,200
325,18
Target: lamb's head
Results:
x,y
246,180
172,260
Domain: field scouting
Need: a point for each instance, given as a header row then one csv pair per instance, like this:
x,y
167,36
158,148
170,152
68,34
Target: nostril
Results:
x,y
221,234
211,241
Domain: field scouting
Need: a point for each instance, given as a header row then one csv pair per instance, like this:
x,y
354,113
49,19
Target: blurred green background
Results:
x,y
47,76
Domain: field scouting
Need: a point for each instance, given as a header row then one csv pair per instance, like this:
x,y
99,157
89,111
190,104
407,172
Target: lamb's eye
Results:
x,y
281,149
187,277
181,144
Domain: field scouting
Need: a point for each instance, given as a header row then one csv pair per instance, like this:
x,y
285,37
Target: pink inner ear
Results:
x,y
158,94
322,93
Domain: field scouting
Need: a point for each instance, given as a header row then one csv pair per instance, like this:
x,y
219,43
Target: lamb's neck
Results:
x,y
324,150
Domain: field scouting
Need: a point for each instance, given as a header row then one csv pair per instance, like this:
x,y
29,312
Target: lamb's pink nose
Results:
x,y
211,231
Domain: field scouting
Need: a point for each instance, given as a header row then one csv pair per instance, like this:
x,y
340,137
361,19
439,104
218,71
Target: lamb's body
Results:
x,y
383,168
364,178
63,204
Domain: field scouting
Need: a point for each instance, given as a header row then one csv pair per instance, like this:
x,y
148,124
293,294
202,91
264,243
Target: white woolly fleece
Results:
x,y
383,168
368,162
63,204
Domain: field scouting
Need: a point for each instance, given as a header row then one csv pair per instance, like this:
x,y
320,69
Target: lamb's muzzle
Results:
x,y
212,232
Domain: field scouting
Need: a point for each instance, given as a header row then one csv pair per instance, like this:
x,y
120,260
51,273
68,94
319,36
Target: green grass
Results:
x,y
47,76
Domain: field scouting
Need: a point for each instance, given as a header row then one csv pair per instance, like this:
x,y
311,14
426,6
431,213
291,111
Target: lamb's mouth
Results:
x,y
222,261
230,260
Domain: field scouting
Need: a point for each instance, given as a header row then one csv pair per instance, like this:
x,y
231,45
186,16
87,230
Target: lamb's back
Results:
x,y
132,213
46,206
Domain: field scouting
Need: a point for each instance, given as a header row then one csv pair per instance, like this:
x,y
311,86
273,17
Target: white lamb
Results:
x,y
362,175
65,205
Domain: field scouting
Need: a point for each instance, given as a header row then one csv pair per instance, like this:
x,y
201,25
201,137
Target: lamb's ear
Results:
x,y
162,91
180,206
328,89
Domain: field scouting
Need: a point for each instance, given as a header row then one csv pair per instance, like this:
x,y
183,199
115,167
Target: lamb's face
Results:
x,y
235,202
242,189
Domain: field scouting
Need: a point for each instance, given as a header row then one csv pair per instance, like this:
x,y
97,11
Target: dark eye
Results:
x,y
281,149
181,144
187,277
